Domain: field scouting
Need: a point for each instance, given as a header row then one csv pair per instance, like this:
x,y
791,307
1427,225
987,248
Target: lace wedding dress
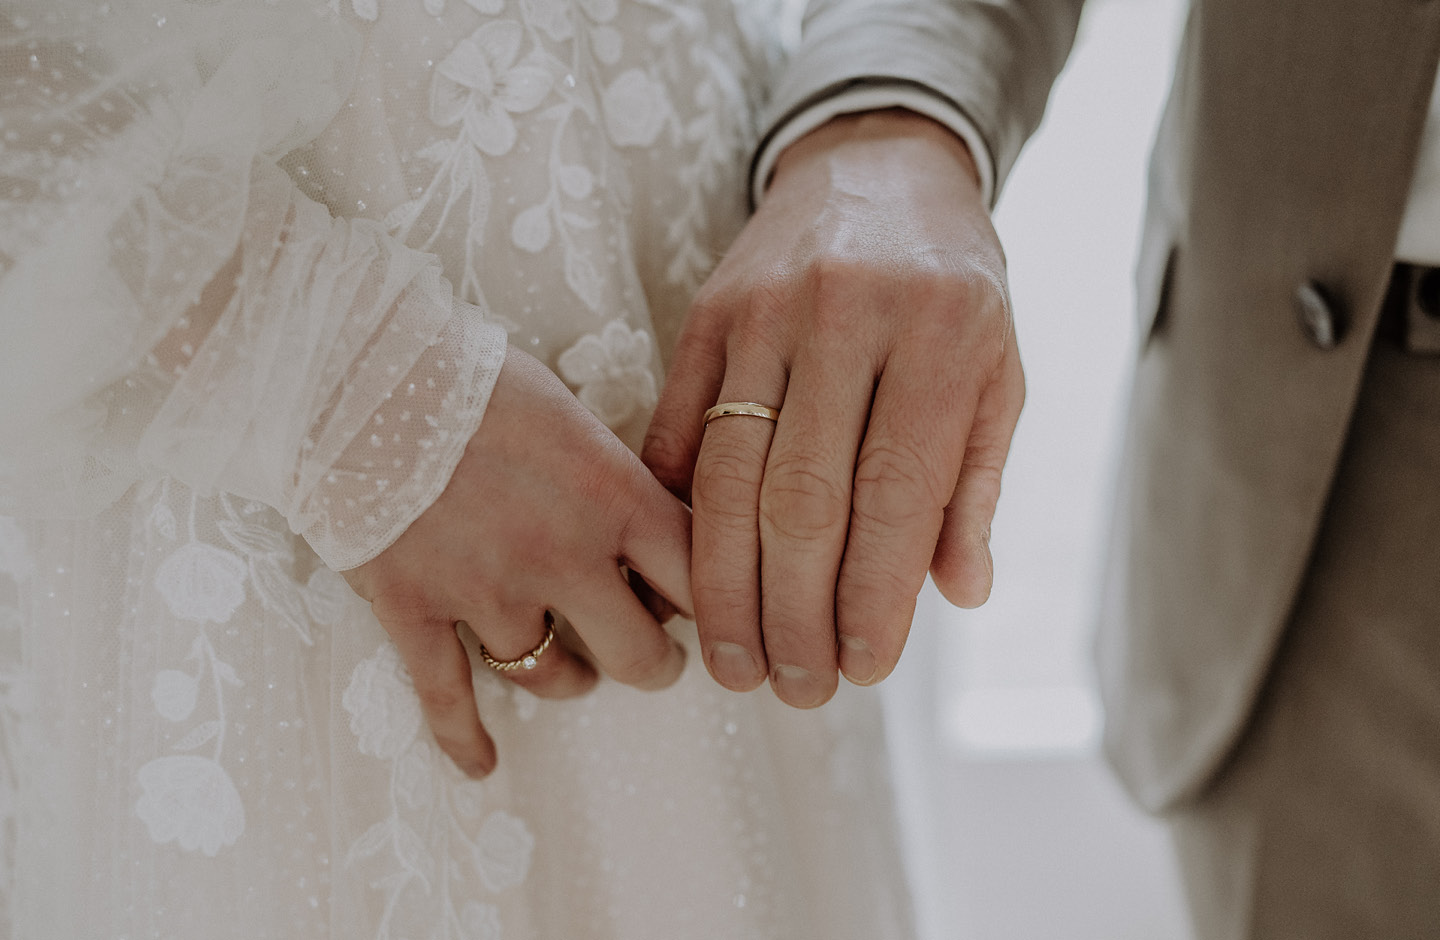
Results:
x,y
259,264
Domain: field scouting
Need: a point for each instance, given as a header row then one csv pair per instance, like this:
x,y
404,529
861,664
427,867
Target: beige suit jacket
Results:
x,y
1278,181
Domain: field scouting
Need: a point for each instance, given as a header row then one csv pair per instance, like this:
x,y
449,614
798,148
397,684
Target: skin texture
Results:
x,y
531,522
867,300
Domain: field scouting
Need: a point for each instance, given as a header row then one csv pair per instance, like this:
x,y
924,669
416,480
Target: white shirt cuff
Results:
x,y
875,98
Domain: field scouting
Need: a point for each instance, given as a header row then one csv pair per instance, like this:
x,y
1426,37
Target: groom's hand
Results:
x,y
867,301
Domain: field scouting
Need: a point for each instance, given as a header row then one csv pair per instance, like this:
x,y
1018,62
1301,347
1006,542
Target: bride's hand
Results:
x,y
539,515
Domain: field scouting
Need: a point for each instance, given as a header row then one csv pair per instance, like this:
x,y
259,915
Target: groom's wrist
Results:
x,y
887,127
873,98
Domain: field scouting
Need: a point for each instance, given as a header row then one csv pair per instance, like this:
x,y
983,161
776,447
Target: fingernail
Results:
x,y
476,770
733,666
797,686
856,660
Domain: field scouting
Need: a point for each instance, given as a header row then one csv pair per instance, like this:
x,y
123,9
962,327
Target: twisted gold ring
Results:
x,y
752,409
530,660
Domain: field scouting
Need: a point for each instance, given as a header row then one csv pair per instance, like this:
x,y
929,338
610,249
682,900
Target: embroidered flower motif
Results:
x,y
413,776
502,851
202,582
480,84
480,921
162,517
611,371
635,109
190,800
384,712
174,694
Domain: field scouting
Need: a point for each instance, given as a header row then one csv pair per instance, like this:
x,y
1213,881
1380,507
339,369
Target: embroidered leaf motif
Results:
x,y
163,519
412,853
437,151
374,839
226,674
583,278
254,539
402,215
281,596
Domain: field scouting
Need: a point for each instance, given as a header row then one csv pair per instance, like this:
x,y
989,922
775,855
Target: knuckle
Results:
x,y
724,600
800,501
767,321
444,699
838,274
986,459
873,597
894,486
668,453
726,483
710,312
799,636
408,608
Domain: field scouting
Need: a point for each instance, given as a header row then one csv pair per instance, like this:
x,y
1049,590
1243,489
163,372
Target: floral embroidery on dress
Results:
x,y
385,715
481,84
202,582
190,800
610,371
636,109
502,851
185,798
257,533
174,694
429,842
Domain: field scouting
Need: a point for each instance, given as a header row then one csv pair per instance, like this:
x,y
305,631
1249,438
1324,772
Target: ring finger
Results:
x,y
531,656
725,571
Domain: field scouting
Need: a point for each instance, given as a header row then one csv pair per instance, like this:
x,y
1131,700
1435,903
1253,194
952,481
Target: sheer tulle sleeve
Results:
x,y
170,303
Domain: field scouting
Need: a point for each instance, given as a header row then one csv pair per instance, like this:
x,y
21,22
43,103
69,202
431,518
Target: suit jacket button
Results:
x,y
1319,317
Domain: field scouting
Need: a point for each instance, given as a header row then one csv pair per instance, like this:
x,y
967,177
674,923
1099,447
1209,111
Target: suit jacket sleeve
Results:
x,y
992,60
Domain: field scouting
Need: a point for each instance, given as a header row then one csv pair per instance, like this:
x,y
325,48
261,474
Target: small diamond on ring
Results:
x,y
529,662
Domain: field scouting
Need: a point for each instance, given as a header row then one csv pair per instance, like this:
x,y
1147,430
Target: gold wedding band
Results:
x,y
751,409
530,660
